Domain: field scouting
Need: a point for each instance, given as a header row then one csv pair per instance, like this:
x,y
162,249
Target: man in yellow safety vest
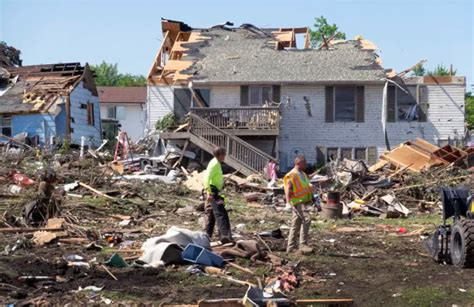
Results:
x,y
214,208
299,195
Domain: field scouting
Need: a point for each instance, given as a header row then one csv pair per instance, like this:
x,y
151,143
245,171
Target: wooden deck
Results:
x,y
243,121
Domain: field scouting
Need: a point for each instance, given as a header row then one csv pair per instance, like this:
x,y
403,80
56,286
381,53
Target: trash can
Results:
x,y
332,209
199,255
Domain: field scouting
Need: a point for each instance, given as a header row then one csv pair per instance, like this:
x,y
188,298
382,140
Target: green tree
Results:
x,y
107,74
9,56
419,70
131,80
321,27
470,110
442,70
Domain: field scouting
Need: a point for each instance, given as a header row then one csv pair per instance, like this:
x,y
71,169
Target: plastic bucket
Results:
x,y
199,255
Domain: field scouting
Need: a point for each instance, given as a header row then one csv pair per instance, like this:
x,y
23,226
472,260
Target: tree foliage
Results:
x,y
470,110
321,27
441,70
419,70
107,74
168,121
9,56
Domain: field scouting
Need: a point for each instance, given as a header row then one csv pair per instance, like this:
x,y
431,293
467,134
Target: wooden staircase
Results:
x,y
241,155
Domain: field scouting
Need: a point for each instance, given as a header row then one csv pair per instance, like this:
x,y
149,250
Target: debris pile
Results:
x,y
98,217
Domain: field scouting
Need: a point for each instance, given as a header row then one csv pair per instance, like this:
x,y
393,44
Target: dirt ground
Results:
x,y
364,258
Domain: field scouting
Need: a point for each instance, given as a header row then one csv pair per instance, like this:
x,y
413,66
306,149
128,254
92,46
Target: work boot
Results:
x,y
305,249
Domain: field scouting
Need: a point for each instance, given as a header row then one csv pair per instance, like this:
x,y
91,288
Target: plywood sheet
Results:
x,y
176,65
407,156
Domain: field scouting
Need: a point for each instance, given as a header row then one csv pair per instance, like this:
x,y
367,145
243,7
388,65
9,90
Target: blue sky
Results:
x,y
128,32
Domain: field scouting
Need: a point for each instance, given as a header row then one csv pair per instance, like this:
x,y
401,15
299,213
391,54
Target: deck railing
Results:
x,y
252,118
239,150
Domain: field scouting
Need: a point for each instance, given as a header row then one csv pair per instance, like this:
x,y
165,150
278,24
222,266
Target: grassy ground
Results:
x,y
364,258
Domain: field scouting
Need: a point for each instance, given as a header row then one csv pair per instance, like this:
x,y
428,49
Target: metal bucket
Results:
x,y
332,209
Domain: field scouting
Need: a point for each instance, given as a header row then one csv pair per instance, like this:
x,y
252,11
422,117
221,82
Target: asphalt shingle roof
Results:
x,y
114,94
239,55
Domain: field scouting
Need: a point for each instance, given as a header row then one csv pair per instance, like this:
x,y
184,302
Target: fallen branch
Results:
x,y
240,268
431,183
108,271
95,191
28,229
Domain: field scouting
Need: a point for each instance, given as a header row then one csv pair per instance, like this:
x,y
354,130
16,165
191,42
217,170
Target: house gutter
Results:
x,y
332,82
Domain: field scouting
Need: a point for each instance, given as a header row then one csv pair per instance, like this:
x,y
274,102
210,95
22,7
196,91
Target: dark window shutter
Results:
x,y
360,104
329,104
422,103
321,155
276,93
244,95
391,104
371,155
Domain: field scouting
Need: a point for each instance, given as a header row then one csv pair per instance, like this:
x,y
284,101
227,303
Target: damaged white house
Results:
x,y
255,92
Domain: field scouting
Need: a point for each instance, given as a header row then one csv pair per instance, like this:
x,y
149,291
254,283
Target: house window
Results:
x,y
410,106
6,125
346,153
111,112
258,95
90,114
344,103
116,112
204,95
332,154
360,154
407,108
120,113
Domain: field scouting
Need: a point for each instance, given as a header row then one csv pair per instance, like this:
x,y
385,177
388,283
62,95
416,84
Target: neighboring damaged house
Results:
x,y
331,100
127,105
50,102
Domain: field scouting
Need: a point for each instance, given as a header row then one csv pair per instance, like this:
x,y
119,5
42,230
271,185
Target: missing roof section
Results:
x,y
249,54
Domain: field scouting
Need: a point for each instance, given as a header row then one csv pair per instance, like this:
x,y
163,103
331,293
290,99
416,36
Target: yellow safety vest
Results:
x,y
301,188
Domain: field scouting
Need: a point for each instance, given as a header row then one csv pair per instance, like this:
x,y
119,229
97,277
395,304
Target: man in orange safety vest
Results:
x,y
299,196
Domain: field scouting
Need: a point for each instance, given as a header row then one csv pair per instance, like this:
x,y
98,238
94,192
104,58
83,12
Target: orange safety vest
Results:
x,y
301,188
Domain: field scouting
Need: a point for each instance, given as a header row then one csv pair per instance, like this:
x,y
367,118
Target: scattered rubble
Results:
x,y
119,219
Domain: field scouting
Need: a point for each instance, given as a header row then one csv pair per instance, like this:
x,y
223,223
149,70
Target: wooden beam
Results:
x,y
157,56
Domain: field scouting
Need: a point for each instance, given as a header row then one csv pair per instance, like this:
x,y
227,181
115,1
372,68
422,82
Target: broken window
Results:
x,y
346,153
332,154
182,102
344,103
258,95
204,95
410,106
90,114
360,154
6,125
407,108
